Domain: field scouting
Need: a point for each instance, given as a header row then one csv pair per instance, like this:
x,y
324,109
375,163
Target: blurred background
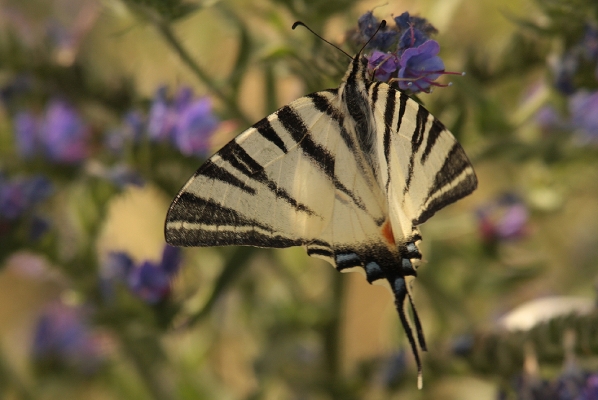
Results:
x,y
108,107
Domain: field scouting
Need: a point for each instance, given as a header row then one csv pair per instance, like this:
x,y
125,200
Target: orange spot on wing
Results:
x,y
387,233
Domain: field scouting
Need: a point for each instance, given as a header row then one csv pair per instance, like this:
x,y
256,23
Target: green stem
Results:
x,y
168,35
332,338
9,379
237,262
146,371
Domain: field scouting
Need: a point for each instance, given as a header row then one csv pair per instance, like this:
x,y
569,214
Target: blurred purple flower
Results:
x,y
564,70
406,21
187,123
64,134
420,67
367,25
18,196
549,120
162,117
150,281
183,99
26,134
63,339
131,130
394,368
195,126
590,391
505,218
384,39
60,135
590,43
384,64
122,176
18,85
134,124
583,108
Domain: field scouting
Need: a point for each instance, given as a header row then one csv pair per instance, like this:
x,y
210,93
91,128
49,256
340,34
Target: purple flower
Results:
x,y
564,71
384,65
122,176
590,391
420,67
583,108
18,196
384,39
161,117
368,24
195,126
186,122
549,120
415,31
590,43
19,85
63,339
26,134
505,218
64,134
405,21
412,38
134,125
150,281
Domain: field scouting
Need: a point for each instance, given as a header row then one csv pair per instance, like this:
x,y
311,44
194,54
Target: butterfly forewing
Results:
x,y
289,180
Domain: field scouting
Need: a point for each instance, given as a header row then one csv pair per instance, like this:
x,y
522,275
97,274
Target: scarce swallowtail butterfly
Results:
x,y
348,173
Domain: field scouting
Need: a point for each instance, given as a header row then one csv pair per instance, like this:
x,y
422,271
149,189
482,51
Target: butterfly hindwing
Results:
x,y
423,168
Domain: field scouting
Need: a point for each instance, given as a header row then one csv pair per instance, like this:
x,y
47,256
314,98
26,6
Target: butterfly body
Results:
x,y
348,173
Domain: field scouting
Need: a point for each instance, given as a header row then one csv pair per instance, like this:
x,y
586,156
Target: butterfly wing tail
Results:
x,y
412,328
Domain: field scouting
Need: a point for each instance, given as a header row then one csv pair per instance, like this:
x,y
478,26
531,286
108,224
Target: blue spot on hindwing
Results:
x,y
408,267
347,260
410,250
399,287
373,271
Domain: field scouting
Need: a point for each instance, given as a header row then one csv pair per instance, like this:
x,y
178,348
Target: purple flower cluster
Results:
x,y
59,135
582,101
582,118
18,196
64,339
567,67
403,53
187,123
505,218
150,281
572,384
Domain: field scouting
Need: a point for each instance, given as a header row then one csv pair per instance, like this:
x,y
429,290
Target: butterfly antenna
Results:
x,y
299,23
381,26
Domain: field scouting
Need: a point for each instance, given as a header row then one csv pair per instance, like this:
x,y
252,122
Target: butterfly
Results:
x,y
348,173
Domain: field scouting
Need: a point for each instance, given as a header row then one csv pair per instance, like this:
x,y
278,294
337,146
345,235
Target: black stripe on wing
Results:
x,y
435,130
237,157
299,131
416,140
389,113
455,164
322,104
213,171
265,129
207,223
